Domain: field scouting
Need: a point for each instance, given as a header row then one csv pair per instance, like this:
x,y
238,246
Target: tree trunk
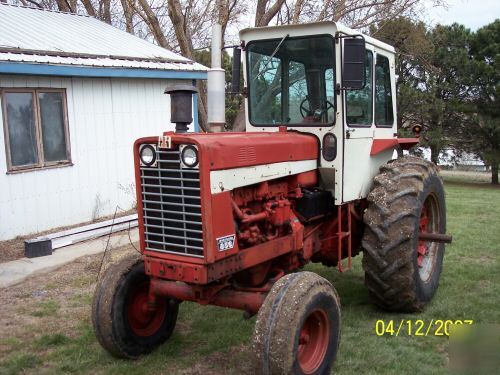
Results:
x,y
339,10
106,11
297,10
494,174
63,6
180,28
89,7
263,17
434,154
202,106
127,13
239,122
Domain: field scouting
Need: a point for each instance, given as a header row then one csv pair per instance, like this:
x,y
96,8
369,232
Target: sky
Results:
x,y
472,13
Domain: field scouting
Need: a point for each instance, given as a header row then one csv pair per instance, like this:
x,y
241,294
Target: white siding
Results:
x,y
105,117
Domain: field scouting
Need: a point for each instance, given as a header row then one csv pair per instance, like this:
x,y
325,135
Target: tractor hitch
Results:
x,y
435,237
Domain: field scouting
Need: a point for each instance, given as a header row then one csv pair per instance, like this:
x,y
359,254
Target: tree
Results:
x,y
413,53
435,80
484,137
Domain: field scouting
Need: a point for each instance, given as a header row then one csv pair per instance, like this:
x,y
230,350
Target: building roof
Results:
x,y
33,36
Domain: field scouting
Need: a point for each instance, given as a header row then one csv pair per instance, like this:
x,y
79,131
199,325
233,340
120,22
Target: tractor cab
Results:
x,y
330,81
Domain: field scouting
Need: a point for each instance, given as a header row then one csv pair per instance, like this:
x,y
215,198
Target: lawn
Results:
x,y
45,324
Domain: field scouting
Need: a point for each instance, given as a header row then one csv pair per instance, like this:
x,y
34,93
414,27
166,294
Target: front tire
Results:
x,y
401,272
123,322
298,327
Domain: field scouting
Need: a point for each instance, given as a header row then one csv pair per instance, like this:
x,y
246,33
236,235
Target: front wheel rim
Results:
x,y
145,320
313,341
427,250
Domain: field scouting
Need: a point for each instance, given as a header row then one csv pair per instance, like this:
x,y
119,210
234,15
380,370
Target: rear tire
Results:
x,y
122,322
401,272
298,327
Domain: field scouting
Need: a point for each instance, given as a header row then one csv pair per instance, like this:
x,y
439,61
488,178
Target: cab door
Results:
x,y
358,126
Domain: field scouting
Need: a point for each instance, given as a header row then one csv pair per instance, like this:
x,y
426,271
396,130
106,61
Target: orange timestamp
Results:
x,y
418,327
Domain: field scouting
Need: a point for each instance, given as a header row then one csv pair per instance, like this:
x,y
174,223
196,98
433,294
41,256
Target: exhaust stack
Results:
x,y
216,96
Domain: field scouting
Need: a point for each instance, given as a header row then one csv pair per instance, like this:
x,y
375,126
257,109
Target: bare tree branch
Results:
x,y
151,20
263,16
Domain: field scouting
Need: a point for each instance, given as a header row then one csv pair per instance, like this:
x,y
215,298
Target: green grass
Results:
x,y
217,339
45,308
19,362
48,340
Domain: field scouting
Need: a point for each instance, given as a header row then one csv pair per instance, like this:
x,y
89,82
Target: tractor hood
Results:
x,y
235,150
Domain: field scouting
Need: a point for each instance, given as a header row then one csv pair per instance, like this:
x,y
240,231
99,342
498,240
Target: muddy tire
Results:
x,y
298,327
401,272
123,323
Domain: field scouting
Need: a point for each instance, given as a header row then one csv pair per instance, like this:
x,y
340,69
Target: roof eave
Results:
x,y
22,68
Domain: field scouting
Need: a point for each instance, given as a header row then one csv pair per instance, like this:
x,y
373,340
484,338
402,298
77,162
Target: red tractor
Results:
x,y
229,219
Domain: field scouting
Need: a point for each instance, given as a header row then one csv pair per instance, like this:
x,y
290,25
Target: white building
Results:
x,y
74,95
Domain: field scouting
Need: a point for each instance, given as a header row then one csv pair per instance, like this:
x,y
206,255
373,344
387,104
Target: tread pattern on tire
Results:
x,y
276,317
109,323
388,241
102,321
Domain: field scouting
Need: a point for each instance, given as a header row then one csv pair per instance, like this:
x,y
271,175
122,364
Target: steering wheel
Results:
x,y
307,111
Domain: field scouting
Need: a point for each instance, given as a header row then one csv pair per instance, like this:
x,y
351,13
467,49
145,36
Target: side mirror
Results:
x,y
353,64
235,83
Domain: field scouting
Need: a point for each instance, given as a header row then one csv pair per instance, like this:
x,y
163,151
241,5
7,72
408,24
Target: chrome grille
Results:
x,y
171,206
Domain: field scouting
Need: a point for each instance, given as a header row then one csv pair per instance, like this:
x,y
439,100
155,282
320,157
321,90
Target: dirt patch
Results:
x,y
41,300
12,249
45,324
234,362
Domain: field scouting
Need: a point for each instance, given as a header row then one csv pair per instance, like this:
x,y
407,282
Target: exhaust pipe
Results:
x,y
216,96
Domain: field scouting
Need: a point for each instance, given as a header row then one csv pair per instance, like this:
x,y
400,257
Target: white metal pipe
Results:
x,y
216,46
216,84
216,96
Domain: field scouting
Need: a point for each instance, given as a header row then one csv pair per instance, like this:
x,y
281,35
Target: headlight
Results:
x,y
147,155
329,147
189,156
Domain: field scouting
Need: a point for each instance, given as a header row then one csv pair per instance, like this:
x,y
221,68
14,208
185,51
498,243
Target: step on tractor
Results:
x,y
230,219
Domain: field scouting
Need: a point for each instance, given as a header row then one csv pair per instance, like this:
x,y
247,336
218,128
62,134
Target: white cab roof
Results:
x,y
324,27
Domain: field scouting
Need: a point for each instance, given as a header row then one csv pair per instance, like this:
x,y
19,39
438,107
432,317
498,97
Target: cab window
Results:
x,y
291,81
297,92
330,94
266,88
384,115
359,103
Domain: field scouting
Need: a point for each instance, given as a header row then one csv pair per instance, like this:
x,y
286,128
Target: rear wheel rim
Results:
x,y
145,320
427,250
313,341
